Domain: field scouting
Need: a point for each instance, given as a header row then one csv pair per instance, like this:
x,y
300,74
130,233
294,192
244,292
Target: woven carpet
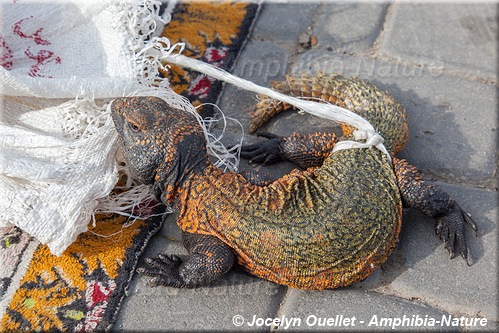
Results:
x,y
83,289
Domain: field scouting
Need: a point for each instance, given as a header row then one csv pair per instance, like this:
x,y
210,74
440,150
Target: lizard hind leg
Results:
x,y
209,259
451,220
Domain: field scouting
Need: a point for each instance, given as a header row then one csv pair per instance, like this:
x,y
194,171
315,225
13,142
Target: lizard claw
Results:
x,y
164,270
450,227
266,152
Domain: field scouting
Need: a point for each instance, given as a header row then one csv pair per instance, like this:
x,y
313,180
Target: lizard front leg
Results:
x,y
209,259
306,151
434,202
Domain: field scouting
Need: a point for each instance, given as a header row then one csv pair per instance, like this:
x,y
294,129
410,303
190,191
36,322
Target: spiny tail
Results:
x,y
378,107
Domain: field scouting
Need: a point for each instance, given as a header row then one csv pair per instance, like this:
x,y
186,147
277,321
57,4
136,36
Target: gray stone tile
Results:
x,y
170,231
349,27
461,36
261,63
351,309
284,22
452,121
420,267
149,309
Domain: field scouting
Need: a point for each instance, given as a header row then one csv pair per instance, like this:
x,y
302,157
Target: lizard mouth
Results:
x,y
118,118
123,159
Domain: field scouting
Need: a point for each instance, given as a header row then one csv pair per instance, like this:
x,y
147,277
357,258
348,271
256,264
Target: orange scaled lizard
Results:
x,y
326,225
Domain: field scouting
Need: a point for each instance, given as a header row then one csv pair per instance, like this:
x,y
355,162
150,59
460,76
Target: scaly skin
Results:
x,y
295,239
379,108
326,226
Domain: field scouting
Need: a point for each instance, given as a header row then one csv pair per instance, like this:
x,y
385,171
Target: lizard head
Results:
x,y
159,143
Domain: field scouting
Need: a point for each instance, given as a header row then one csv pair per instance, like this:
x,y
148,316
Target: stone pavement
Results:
x,y
439,61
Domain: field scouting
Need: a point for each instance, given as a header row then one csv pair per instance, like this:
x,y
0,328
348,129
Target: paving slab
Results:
x,y
351,309
284,23
148,309
260,62
461,36
349,27
420,266
452,120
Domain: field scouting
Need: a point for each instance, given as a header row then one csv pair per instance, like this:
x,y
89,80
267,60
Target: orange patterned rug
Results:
x,y
82,290
78,291
214,32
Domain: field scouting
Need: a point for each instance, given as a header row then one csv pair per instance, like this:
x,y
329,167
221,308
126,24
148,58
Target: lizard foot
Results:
x,y
450,227
164,270
209,259
266,152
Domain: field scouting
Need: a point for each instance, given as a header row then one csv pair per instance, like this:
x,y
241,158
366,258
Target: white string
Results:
x,y
365,131
228,158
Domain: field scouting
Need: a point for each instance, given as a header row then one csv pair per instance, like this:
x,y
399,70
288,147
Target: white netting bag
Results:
x,y
50,175
57,146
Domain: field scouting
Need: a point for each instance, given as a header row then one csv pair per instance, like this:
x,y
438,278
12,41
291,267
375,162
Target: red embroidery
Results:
x,y
214,55
100,294
35,36
6,55
42,58
201,86
96,297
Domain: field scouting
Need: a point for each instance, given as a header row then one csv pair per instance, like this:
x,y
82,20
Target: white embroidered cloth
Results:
x,y
57,142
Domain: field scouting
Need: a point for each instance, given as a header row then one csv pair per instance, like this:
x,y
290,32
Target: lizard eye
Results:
x,y
133,127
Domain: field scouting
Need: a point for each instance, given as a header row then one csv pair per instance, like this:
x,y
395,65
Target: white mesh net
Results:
x,y
57,146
